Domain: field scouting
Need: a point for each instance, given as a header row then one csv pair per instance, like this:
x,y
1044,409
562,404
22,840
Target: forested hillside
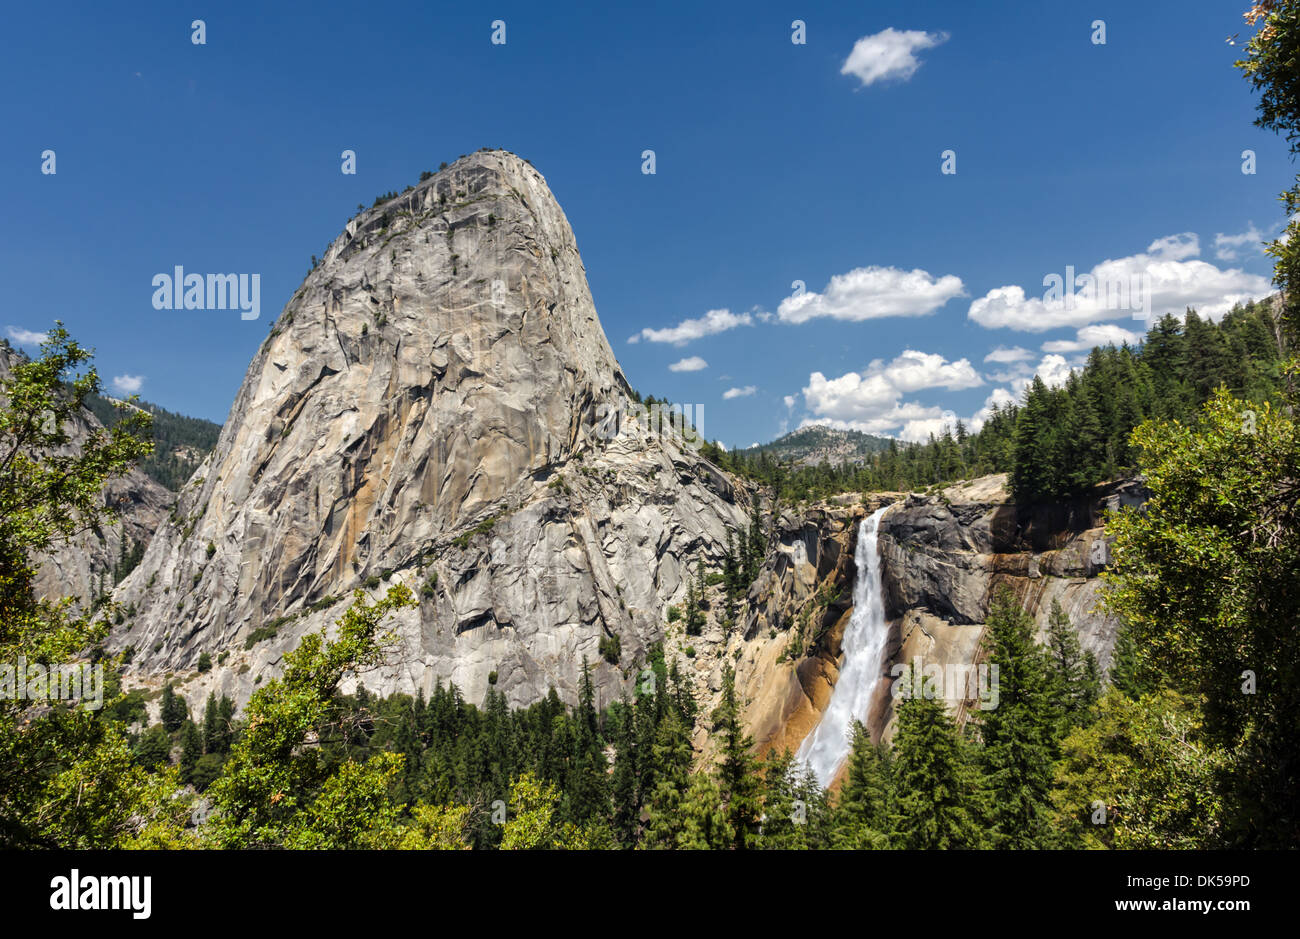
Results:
x,y
813,444
180,442
1058,442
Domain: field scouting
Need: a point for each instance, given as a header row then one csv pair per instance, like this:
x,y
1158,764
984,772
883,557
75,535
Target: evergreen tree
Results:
x,y
756,544
587,791
174,711
1019,734
191,750
626,778
226,722
212,736
732,577
862,815
1073,674
936,803
737,771
704,823
672,760
694,616
784,813
153,748
1129,673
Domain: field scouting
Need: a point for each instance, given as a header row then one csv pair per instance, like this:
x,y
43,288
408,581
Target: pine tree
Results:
x,y
226,722
672,760
936,802
212,736
705,824
1030,475
587,790
756,543
737,771
625,783
1129,675
784,813
174,711
1073,684
694,615
153,748
191,750
1019,734
731,576
862,815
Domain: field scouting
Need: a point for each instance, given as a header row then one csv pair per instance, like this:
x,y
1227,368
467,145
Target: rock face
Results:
x,y
437,405
77,567
942,558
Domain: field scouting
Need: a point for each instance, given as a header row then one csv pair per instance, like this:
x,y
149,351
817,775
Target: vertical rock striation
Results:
x,y
433,406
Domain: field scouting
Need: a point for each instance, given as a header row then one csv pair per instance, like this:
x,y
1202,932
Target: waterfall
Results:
x,y
825,749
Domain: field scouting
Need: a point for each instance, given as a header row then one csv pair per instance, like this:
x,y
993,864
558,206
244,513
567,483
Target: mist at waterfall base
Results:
x,y
863,648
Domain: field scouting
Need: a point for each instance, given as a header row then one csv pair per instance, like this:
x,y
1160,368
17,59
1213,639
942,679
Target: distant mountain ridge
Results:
x,y
817,443
181,442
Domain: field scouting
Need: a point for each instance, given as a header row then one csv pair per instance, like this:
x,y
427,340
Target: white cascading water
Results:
x,y
863,646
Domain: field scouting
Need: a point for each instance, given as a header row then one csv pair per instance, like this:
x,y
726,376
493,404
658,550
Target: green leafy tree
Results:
x,y
1270,65
1141,777
534,821
67,775
1205,577
272,777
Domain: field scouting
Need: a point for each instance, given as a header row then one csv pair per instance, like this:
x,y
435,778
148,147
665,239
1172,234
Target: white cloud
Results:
x,y
890,54
885,423
1160,280
919,431
1002,355
128,384
1017,371
1053,370
1226,247
738,392
691,363
867,293
1178,247
789,401
711,323
871,401
1099,335
25,337
999,397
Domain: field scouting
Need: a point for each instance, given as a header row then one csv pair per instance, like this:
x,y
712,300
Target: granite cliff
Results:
x,y
437,405
943,556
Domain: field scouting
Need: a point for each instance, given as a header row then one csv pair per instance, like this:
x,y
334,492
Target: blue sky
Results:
x,y
775,162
